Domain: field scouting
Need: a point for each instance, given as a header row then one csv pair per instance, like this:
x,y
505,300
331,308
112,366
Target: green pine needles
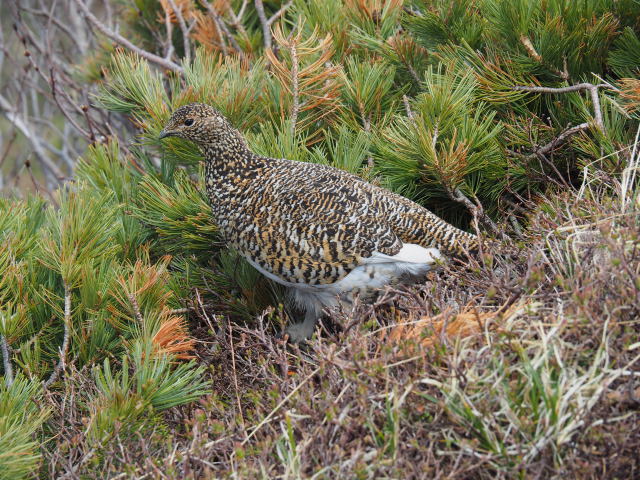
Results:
x,y
113,286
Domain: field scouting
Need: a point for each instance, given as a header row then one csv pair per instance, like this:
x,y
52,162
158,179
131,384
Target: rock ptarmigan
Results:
x,y
318,230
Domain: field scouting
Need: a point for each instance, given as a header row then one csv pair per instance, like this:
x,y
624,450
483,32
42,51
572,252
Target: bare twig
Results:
x,y
162,62
6,361
267,22
168,26
277,407
590,87
240,14
65,342
32,137
476,209
236,19
222,26
560,139
279,13
266,31
541,152
235,378
186,45
221,32
54,91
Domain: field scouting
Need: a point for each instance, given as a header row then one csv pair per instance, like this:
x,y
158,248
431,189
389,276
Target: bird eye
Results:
x,y
188,122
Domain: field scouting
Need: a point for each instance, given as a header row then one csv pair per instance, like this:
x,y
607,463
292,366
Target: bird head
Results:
x,y
197,122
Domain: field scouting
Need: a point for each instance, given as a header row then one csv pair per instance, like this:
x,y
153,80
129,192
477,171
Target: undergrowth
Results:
x,y
542,384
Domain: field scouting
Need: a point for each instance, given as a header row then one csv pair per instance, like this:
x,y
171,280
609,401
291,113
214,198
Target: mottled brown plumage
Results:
x,y
320,230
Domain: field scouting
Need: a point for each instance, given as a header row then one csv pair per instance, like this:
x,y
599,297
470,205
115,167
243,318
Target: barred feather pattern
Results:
x,y
304,224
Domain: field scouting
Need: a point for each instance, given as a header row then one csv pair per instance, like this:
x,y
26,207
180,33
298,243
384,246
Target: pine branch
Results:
x,y
407,107
136,309
526,42
6,361
116,37
65,342
593,91
476,210
308,75
295,89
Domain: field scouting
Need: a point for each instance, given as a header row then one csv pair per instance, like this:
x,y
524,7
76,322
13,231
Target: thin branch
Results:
x,y
570,88
169,65
279,13
241,12
277,407
266,31
476,209
50,18
32,137
267,22
590,87
54,95
222,26
295,88
136,309
169,48
222,34
560,139
65,342
236,19
235,378
553,144
186,45
407,107
6,361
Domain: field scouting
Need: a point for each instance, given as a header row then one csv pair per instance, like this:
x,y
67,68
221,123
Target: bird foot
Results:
x,y
299,332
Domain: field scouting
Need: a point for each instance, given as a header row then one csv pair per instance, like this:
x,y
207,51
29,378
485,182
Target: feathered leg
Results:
x,y
299,332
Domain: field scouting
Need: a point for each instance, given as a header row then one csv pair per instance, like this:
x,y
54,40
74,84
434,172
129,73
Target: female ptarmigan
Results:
x,y
322,232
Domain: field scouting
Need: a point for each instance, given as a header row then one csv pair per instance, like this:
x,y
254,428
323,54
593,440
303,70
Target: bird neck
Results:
x,y
230,170
229,155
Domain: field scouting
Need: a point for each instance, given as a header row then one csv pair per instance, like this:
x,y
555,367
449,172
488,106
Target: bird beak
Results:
x,y
165,133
